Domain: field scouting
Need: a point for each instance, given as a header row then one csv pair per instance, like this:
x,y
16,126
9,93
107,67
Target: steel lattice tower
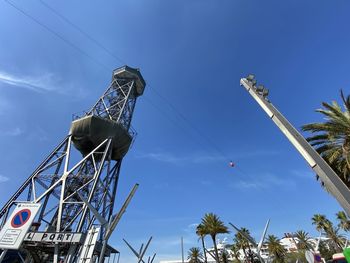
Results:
x,y
87,171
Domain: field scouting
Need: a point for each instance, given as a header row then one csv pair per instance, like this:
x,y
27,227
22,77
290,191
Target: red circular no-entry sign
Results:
x,y
20,218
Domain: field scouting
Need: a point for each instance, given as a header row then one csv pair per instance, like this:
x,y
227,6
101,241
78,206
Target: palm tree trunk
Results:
x,y
339,246
245,253
250,254
205,254
215,249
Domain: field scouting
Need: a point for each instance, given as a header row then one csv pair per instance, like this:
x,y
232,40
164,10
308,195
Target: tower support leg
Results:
x,y
2,255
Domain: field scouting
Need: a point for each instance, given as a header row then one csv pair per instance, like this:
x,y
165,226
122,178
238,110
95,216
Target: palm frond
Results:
x,y
331,138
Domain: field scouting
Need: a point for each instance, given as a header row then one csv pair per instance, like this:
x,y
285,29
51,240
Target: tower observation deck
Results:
x,y
111,116
72,184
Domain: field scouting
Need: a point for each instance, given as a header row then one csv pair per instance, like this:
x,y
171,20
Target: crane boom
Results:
x,y
331,180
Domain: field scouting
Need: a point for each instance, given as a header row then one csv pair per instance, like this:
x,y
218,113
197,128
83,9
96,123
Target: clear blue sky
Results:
x,y
193,53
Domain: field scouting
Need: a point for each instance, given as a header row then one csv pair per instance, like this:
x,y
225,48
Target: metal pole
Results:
x,y
20,256
144,251
182,249
2,255
318,242
115,221
56,252
331,180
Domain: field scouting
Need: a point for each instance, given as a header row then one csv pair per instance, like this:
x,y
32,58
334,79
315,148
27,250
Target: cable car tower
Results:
x,y
76,186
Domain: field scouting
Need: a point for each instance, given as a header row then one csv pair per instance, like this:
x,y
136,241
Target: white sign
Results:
x,y
89,244
64,237
17,225
309,256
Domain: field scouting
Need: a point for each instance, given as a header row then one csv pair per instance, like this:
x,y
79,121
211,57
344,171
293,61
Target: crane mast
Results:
x,y
330,179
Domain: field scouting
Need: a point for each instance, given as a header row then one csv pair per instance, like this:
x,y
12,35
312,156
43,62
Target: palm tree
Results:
x,y
332,138
213,226
276,249
303,240
344,222
336,238
243,242
201,232
235,251
224,256
321,222
326,251
195,255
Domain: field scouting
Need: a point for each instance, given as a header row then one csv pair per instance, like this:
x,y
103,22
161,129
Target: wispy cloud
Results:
x,y
162,157
171,158
263,181
174,241
192,226
12,132
160,185
5,106
43,83
255,153
38,134
3,179
201,157
305,174
190,230
206,183
169,220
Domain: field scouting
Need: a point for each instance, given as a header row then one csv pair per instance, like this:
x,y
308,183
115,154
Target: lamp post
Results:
x,y
331,180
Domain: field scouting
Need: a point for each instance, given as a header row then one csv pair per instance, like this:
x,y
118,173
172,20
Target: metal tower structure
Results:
x,y
330,179
77,182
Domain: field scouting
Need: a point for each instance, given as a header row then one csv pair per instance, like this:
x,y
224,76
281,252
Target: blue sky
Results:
x,y
193,118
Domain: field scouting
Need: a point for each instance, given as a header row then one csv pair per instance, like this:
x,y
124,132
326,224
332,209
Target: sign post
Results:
x,y
17,225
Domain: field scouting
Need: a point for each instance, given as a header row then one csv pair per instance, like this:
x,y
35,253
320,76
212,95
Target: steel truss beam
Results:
x,y
60,181
117,103
56,186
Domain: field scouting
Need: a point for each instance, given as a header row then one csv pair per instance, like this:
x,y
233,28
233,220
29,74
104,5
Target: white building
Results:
x,y
288,242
